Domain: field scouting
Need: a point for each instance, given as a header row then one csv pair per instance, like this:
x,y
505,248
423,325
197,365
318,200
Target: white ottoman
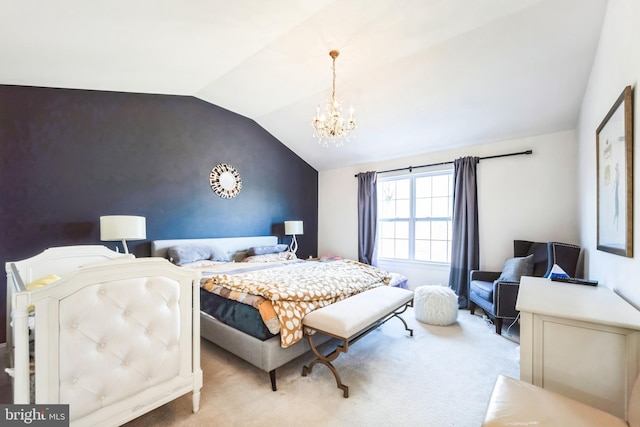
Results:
x,y
435,305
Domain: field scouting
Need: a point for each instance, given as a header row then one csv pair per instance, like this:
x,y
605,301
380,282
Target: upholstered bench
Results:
x,y
518,403
351,319
435,305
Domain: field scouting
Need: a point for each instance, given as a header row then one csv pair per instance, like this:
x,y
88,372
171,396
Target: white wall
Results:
x,y
530,197
617,64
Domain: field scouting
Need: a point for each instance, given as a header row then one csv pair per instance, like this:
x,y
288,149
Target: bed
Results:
x,y
114,339
263,350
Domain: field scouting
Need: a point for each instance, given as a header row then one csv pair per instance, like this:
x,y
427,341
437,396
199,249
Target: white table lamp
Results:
x,y
123,228
291,228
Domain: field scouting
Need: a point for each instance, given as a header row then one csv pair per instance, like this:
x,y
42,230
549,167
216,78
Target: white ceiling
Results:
x,y
422,75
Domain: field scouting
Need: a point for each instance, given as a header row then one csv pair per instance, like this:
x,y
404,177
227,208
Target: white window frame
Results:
x,y
447,169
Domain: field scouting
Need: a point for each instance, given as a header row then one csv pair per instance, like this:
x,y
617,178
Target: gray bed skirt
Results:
x,y
265,355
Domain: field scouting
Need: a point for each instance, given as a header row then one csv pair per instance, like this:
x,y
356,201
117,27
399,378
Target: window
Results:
x,y
415,216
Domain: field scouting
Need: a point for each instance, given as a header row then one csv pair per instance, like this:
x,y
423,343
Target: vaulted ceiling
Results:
x,y
422,75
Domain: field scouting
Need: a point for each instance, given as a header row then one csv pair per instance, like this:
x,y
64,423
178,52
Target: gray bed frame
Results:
x,y
266,355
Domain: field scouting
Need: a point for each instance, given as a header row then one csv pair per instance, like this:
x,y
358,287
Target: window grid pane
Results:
x,y
415,217
394,198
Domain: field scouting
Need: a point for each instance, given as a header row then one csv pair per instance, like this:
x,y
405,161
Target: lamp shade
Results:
x,y
121,227
293,227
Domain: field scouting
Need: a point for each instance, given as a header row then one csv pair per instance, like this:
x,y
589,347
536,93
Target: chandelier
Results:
x,y
331,126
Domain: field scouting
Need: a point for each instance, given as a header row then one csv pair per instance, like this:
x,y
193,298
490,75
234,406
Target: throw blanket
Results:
x,y
297,289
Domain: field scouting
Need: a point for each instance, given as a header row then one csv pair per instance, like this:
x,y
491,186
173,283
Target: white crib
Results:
x,y
113,339
60,261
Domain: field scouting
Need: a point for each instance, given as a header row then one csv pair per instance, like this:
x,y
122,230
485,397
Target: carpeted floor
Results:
x,y
442,376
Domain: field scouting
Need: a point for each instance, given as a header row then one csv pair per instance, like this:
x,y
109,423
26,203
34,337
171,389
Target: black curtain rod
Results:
x,y
410,168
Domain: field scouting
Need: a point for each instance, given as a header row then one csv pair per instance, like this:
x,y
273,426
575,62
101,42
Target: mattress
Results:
x,y
238,315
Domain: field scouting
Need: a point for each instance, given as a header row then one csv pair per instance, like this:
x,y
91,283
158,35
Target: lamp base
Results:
x,y
294,245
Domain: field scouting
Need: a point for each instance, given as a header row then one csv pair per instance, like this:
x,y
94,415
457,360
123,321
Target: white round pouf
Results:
x,y
435,305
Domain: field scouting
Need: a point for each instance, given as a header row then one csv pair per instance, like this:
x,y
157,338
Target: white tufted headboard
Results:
x,y
113,339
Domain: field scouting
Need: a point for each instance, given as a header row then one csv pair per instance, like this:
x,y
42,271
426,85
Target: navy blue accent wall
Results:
x,y
69,156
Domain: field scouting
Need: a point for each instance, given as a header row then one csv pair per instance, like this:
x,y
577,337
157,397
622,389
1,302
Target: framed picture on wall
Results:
x,y
614,162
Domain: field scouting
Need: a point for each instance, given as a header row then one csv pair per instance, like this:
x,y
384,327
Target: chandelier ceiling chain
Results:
x,y
331,126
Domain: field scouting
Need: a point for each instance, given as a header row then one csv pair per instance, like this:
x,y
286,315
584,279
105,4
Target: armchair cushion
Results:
x,y
481,286
483,289
516,267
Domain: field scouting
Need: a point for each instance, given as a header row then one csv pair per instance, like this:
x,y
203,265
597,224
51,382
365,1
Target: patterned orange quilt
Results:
x,y
295,289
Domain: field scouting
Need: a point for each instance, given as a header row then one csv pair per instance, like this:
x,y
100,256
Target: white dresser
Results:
x,y
580,341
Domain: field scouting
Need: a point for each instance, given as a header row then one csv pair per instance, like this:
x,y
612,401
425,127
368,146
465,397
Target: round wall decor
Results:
x,y
225,181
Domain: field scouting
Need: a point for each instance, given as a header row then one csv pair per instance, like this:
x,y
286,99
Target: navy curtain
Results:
x,y
367,217
465,252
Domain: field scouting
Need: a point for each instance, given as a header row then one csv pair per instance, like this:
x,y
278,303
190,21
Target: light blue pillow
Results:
x,y
264,250
187,253
514,268
183,254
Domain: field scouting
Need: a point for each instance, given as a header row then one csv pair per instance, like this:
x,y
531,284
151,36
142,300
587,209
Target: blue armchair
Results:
x,y
497,298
